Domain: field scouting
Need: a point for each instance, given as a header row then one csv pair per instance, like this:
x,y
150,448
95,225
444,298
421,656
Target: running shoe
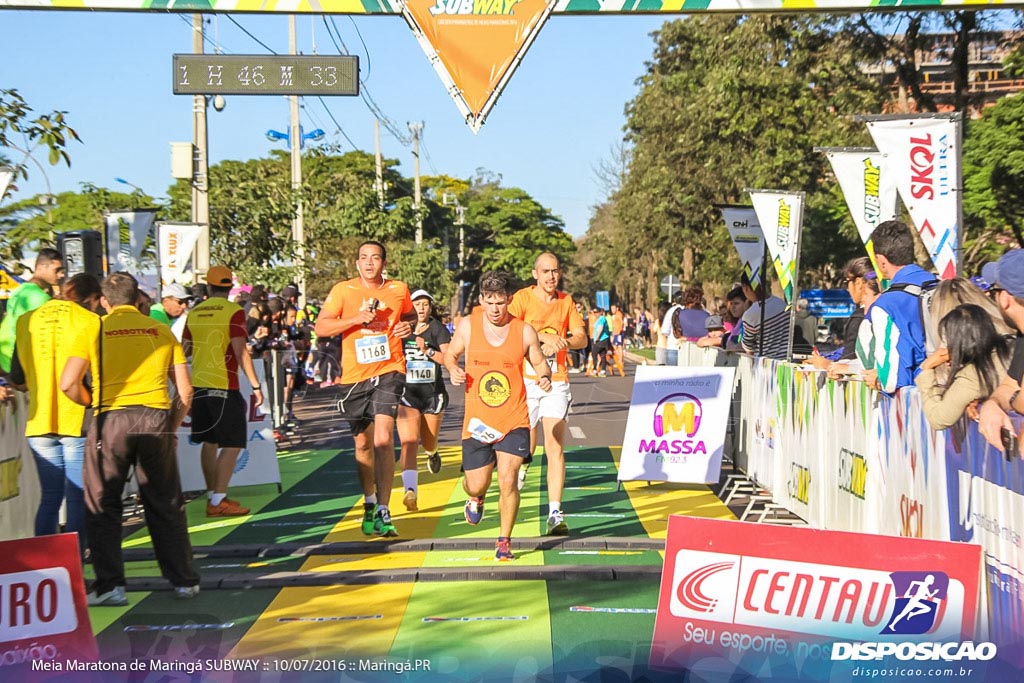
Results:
x,y
503,550
433,463
185,592
226,508
368,509
410,500
382,525
474,511
527,461
113,598
556,524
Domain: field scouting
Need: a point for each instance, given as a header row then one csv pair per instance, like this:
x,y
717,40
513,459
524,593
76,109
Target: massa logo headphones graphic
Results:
x,y
677,413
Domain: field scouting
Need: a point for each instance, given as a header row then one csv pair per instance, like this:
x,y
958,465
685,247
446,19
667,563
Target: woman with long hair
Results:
x,y
952,293
863,287
976,356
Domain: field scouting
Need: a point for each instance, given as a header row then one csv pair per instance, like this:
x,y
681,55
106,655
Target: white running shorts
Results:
x,y
554,404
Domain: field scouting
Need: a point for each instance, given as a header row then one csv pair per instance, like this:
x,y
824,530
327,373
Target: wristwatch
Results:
x,y
430,352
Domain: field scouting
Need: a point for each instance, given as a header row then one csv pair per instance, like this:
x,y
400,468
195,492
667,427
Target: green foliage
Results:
x,y
993,175
22,133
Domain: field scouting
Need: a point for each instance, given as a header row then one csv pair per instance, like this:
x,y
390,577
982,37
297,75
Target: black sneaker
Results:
x,y
433,463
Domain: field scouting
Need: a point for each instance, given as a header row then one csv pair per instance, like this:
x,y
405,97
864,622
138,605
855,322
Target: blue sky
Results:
x,y
559,116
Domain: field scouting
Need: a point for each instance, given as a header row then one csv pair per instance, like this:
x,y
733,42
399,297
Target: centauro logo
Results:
x,y
480,7
782,237
872,200
853,473
495,389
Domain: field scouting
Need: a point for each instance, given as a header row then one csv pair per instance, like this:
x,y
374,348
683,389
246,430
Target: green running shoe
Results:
x,y
368,509
382,525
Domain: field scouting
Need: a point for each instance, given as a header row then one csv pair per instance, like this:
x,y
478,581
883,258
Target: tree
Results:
x,y
22,134
993,174
730,103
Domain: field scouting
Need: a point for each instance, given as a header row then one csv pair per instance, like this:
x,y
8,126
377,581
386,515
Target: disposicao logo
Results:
x,y
676,413
920,597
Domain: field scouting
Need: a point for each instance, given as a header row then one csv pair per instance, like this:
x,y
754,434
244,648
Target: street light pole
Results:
x,y
416,129
298,229
200,176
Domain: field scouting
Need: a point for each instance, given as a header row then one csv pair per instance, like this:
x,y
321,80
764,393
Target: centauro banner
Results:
x,y
781,218
868,187
747,237
475,45
923,154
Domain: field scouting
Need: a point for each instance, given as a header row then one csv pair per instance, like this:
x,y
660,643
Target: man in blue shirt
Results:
x,y
892,338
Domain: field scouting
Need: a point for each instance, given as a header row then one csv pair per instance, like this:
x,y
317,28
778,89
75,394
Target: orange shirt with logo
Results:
x,y
495,393
557,317
371,351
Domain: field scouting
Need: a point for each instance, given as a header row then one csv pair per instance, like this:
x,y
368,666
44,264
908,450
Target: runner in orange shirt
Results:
x,y
373,315
618,343
496,425
559,327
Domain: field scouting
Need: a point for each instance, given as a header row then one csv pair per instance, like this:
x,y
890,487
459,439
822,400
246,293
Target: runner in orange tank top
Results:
x,y
496,429
373,315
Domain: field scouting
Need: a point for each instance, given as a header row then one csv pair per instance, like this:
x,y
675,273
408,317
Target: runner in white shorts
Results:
x,y
559,326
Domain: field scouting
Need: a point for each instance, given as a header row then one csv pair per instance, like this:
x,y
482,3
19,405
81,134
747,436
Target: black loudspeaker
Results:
x,y
82,252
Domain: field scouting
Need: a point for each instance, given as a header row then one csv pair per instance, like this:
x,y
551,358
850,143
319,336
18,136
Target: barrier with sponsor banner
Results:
x,y
769,602
42,606
845,458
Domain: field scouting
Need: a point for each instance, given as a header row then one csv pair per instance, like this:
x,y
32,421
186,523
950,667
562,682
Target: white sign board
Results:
x,y
675,430
257,464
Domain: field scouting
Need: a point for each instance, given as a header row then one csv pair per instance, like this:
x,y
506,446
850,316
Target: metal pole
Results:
x,y
796,278
380,163
201,169
958,117
416,129
295,139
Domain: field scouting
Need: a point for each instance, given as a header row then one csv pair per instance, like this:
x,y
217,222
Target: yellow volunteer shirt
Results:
x,y
138,354
210,327
43,350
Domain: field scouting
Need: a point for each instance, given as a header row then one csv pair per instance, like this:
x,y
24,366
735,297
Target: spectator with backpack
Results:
x,y
892,341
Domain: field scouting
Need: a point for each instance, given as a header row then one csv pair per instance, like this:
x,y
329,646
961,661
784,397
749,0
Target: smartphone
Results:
x,y
1009,443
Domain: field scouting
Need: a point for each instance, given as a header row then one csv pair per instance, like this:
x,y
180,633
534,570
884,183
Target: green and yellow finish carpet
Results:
x,y
296,585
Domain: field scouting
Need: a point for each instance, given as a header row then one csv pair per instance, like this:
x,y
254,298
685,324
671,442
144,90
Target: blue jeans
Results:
x,y
672,357
59,463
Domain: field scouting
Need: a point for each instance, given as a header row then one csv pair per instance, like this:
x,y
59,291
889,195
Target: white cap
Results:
x,y
422,294
176,291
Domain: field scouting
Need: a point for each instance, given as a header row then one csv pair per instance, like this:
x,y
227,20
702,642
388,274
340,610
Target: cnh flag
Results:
x,y
747,237
175,242
781,217
475,45
923,154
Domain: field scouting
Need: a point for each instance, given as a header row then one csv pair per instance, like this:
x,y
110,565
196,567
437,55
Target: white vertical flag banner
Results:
x,y
869,188
781,215
923,155
6,176
175,242
747,237
126,237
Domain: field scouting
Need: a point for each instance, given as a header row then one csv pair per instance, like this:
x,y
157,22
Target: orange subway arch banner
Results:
x,y
475,45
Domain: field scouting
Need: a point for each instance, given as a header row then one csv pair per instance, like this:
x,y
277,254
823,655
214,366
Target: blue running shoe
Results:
x,y
474,511
503,550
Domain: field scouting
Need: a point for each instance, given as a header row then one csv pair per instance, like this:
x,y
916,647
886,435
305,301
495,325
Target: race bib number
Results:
x,y
482,433
372,349
419,371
